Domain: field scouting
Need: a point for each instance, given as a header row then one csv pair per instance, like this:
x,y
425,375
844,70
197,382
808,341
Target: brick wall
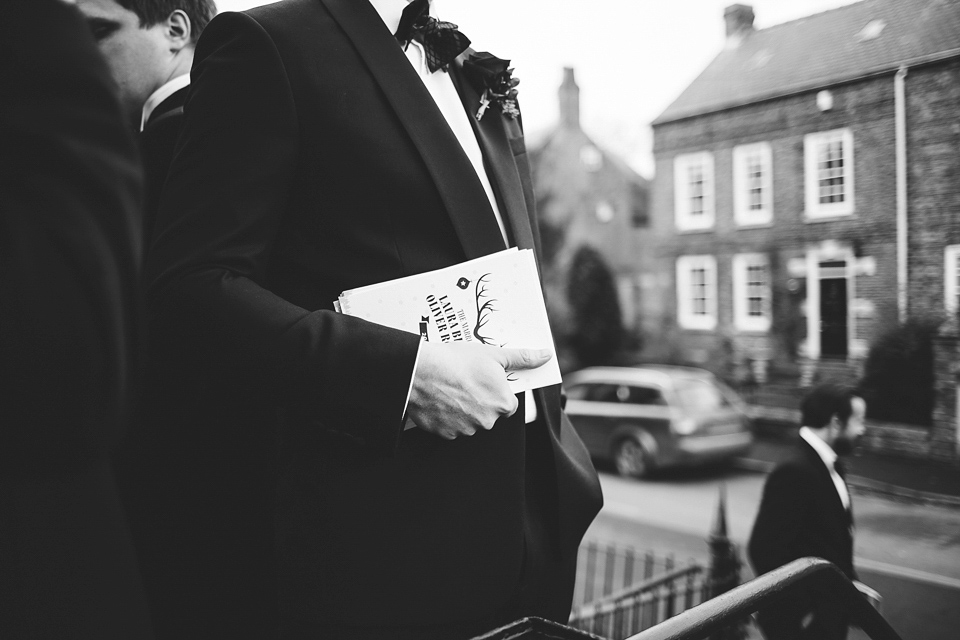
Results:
x,y
933,156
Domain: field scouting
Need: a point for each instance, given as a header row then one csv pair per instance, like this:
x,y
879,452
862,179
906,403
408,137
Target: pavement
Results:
x,y
902,479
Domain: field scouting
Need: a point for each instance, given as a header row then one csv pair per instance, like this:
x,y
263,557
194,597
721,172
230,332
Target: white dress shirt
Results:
x,y
165,91
829,457
445,95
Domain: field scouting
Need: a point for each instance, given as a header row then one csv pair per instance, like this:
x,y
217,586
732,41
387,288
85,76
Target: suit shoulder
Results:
x,y
794,472
796,464
286,14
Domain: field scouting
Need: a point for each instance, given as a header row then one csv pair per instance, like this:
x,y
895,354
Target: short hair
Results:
x,y
152,12
825,401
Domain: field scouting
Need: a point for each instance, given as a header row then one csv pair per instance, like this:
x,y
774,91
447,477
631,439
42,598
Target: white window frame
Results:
x,y
742,213
687,316
811,149
686,219
742,318
951,281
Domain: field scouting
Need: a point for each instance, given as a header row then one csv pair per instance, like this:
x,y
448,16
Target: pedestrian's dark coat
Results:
x,y
801,515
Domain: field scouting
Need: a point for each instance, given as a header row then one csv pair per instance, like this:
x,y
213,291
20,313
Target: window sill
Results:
x,y
827,217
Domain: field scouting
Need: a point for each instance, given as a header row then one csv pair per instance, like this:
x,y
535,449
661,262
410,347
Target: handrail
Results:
x,y
701,621
591,608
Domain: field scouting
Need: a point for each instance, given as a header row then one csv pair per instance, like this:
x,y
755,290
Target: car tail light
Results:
x,y
684,426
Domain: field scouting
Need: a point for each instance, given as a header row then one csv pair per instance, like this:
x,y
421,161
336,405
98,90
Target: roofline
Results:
x,y
912,62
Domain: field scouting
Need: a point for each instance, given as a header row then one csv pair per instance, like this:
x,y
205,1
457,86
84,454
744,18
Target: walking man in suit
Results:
x,y
329,144
806,511
149,46
69,329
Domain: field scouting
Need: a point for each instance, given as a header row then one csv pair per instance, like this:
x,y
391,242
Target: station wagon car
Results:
x,y
655,416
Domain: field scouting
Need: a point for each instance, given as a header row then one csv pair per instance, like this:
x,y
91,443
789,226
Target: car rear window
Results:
x,y
700,395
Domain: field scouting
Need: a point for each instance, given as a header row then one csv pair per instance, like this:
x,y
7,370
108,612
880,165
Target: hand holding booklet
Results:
x,y
494,300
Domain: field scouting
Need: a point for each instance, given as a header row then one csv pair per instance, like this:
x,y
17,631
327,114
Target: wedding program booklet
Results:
x,y
494,300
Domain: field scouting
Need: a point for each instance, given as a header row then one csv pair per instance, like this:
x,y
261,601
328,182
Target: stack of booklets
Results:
x,y
494,300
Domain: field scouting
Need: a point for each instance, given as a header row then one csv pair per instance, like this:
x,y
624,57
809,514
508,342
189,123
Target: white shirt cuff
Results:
x,y
408,423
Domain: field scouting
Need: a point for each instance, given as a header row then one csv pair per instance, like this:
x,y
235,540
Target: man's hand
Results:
x,y
459,387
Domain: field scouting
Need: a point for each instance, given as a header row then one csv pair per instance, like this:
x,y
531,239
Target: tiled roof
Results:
x,y
833,46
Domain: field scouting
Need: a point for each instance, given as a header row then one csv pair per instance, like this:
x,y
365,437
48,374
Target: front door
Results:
x,y
833,311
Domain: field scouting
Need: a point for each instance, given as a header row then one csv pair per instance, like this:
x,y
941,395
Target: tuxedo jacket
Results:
x,y
801,514
157,142
313,160
69,251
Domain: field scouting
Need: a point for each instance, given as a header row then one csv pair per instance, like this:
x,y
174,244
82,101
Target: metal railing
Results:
x,y
709,617
603,568
643,605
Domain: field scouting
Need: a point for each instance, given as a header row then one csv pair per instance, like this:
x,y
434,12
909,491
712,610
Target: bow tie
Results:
x,y
440,40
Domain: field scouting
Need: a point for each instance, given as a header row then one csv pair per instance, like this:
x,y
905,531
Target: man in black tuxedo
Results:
x,y
149,45
320,152
806,511
69,259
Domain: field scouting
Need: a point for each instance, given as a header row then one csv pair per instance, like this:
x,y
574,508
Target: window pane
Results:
x,y
956,289
695,185
830,171
755,182
698,291
756,289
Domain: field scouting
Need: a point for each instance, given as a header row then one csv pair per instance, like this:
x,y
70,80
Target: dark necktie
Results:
x,y
841,468
441,41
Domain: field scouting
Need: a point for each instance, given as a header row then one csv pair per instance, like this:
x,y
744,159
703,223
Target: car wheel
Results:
x,y
631,458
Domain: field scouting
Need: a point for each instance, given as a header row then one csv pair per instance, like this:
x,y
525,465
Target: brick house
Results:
x,y
587,196
807,196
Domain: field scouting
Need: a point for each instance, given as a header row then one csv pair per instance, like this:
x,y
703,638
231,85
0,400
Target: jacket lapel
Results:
x,y
448,165
501,167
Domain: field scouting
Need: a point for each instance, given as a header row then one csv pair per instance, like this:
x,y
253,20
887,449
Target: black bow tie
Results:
x,y
441,41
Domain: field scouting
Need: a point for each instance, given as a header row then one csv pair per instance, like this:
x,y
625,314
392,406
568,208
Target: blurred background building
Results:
x,y
594,224
803,222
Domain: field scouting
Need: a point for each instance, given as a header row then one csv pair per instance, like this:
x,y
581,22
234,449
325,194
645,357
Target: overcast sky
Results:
x,y
632,57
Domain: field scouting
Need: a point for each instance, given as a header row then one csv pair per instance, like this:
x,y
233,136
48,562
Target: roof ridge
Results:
x,y
816,15
821,48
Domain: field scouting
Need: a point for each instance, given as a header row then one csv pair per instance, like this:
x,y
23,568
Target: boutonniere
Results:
x,y
493,77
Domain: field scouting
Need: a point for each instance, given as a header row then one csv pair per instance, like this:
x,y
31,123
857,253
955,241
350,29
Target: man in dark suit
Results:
x,y
69,255
806,511
149,45
320,152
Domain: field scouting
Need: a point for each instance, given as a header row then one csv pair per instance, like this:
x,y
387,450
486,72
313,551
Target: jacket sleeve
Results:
x,y
222,205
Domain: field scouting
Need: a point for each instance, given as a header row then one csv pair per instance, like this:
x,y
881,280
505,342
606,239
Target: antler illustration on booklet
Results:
x,y
494,300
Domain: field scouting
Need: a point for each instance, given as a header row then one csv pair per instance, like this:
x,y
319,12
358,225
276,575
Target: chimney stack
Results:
x,y
739,20
569,100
